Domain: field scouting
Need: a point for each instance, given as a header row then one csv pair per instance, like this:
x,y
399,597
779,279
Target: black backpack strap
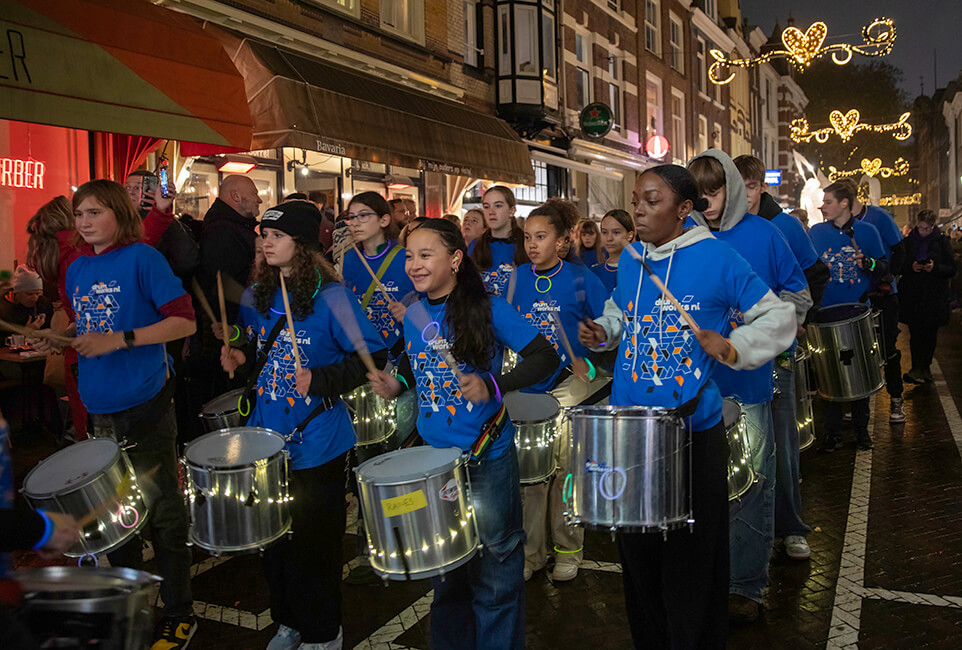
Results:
x,y
259,364
325,404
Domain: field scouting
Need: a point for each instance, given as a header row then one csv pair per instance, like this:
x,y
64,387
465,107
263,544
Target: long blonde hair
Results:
x,y
43,248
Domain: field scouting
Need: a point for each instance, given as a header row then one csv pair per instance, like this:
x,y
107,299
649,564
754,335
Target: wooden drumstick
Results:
x,y
225,333
374,277
564,338
32,333
453,365
123,493
661,287
290,324
202,299
850,232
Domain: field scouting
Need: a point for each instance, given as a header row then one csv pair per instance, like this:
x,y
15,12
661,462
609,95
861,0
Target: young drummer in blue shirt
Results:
x,y
500,248
304,571
480,604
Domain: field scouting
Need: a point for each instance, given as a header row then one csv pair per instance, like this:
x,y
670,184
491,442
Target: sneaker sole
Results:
x,y
797,556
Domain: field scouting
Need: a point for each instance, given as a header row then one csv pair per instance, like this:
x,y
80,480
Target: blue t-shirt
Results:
x,y
445,418
710,279
502,255
324,337
798,240
764,247
394,279
6,485
571,291
121,289
607,274
848,282
589,257
888,230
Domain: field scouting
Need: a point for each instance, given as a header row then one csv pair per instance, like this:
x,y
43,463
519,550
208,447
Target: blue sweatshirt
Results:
x,y
589,257
848,282
607,274
502,255
888,230
445,418
324,337
121,289
570,291
394,279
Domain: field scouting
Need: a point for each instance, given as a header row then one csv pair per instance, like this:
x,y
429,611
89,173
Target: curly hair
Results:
x,y
43,248
308,270
561,214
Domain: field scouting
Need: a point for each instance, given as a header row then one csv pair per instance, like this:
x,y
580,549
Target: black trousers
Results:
x,y
922,340
304,570
832,418
889,306
676,590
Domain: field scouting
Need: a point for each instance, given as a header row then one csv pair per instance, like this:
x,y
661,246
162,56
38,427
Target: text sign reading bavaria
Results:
x,y
596,120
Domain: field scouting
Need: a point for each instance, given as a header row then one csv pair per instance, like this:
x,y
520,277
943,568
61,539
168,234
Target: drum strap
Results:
x,y
490,432
381,270
262,357
687,409
323,405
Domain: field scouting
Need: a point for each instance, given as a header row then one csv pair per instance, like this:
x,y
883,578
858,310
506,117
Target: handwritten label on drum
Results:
x,y
401,505
450,491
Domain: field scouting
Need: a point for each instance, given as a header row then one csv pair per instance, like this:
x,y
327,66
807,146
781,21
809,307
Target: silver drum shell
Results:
x,y
804,414
98,490
629,468
741,472
238,509
845,352
373,416
222,412
535,417
421,541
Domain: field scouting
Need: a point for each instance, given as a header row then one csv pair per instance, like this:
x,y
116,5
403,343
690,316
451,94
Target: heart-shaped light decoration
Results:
x,y
845,124
804,47
871,167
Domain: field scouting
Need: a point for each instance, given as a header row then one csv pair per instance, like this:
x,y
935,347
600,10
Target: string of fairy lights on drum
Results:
x,y
801,48
871,167
846,125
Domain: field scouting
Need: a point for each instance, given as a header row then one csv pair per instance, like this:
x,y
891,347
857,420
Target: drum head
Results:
x,y
225,403
81,582
238,447
70,468
408,464
843,312
531,407
731,411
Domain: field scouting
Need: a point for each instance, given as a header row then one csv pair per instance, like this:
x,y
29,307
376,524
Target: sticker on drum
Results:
x,y
450,491
404,504
236,447
70,468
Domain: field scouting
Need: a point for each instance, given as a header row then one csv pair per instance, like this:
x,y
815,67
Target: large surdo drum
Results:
x,y
846,353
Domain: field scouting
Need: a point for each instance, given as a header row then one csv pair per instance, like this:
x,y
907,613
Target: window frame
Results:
x,y
415,10
653,28
473,44
583,68
679,143
701,52
677,49
659,127
354,10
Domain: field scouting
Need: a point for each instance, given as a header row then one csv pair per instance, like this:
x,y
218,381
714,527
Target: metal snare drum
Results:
x,y
223,411
629,468
92,476
374,418
238,495
741,473
845,352
417,513
535,418
73,607
804,416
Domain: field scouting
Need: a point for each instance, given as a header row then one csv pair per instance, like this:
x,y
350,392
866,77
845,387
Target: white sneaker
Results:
x,y
796,547
564,571
333,644
528,572
896,410
287,638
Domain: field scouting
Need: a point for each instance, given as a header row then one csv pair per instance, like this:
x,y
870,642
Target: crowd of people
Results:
x,y
385,299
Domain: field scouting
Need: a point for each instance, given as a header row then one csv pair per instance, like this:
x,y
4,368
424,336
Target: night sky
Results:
x,y
922,26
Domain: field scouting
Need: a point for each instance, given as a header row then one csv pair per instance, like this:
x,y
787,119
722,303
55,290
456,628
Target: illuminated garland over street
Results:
x,y
847,125
872,168
901,199
802,48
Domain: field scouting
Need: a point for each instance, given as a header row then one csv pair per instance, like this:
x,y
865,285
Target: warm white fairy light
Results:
x,y
846,125
871,167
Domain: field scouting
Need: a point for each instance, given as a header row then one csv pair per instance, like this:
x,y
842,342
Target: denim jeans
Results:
x,y
151,430
788,492
481,604
752,525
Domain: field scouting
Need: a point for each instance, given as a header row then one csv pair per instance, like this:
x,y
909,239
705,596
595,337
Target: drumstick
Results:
x,y
661,287
290,324
123,493
225,335
563,336
32,333
453,365
374,277
851,235
202,299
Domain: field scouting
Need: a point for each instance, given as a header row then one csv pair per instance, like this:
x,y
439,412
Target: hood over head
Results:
x,y
736,199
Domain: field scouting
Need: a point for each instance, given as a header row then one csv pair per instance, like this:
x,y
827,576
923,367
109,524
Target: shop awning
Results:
x,y
120,66
300,102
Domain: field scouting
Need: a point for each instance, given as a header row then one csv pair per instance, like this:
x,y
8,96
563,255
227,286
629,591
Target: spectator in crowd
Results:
x,y
926,269
956,287
24,304
411,206
319,198
802,215
587,243
472,225
400,214
453,218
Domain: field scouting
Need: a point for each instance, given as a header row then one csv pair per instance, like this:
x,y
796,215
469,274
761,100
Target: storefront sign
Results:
x,y
15,172
596,120
657,146
773,176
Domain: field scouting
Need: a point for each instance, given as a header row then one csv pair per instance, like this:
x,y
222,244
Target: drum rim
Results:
x,y
518,395
241,550
219,414
93,476
834,323
411,477
607,409
128,578
204,466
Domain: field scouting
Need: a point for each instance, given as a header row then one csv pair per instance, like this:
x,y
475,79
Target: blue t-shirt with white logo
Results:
x,y
497,276
888,230
848,282
325,337
798,240
395,281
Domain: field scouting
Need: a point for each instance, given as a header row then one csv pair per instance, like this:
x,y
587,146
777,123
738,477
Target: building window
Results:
x,y
702,68
655,107
548,58
702,134
537,193
679,148
716,136
614,5
404,18
472,39
582,71
652,33
615,96
352,7
675,33
711,8
769,101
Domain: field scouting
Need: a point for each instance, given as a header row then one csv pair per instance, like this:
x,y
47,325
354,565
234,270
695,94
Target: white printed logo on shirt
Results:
x,y
97,309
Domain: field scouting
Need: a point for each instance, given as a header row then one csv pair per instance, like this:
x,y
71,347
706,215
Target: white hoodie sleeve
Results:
x,y
610,319
769,329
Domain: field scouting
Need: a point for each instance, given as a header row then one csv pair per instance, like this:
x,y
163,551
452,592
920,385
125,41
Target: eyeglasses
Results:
x,y
360,217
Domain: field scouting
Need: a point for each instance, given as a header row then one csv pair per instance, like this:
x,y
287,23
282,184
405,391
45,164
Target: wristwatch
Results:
x,y
129,338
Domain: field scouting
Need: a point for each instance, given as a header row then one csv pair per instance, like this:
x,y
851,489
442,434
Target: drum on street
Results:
x,y
846,353
535,418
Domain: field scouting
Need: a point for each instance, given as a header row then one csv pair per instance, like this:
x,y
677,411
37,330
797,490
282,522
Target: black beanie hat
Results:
x,y
299,219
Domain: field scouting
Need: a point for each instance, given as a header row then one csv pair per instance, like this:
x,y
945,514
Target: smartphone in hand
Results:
x,y
163,179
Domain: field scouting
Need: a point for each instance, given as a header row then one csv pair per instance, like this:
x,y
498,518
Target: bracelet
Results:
x,y
732,354
237,333
873,264
592,371
47,530
497,389
404,382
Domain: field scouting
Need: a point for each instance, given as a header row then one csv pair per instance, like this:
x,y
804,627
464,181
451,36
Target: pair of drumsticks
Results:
x,y
222,303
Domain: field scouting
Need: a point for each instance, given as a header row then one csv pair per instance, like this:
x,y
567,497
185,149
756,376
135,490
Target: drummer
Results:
x,y
676,587
856,256
304,571
500,248
617,231
546,289
480,604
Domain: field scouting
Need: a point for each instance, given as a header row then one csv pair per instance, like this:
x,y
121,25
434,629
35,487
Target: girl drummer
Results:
x,y
304,572
588,243
617,231
555,295
481,604
676,587
500,249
